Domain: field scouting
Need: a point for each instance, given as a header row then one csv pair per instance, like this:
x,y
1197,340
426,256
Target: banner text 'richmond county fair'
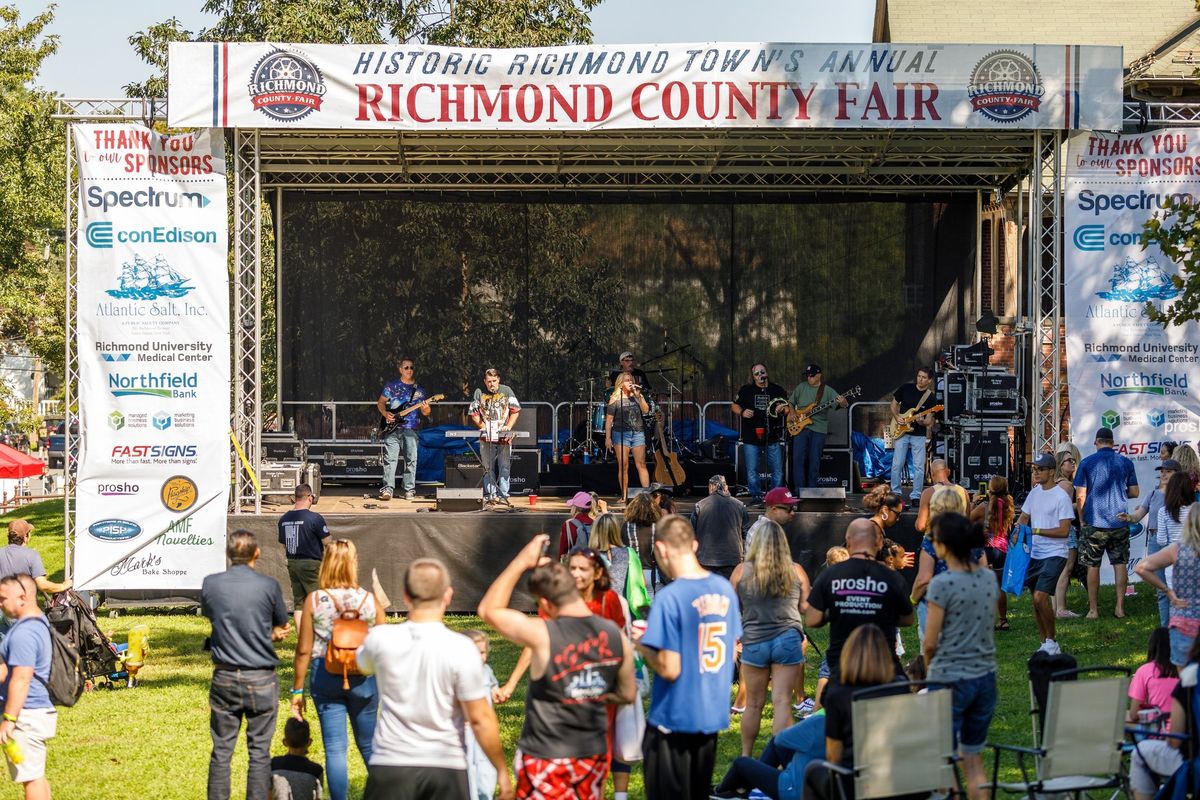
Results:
x,y
261,85
153,344
1125,371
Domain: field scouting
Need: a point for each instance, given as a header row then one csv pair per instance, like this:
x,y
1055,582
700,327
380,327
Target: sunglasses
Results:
x,y
759,374
788,509
408,367
586,552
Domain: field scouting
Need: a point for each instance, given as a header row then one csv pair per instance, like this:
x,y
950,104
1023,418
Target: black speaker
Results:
x,y
465,471
982,454
956,392
836,470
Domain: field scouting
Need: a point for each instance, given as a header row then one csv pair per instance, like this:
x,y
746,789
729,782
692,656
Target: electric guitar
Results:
x,y
904,423
800,418
386,427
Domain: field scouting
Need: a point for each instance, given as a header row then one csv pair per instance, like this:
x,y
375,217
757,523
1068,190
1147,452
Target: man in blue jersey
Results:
x,y
1105,482
400,394
689,643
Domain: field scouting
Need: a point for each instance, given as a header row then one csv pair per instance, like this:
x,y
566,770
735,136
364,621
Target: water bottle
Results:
x,y
292,425
13,751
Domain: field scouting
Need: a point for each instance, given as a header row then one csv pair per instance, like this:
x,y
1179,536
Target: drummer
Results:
x,y
627,365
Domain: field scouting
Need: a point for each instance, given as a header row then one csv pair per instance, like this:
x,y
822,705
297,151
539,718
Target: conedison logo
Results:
x,y
102,234
1089,237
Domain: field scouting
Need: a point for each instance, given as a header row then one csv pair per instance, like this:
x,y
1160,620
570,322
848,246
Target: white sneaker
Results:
x,y
804,707
1050,647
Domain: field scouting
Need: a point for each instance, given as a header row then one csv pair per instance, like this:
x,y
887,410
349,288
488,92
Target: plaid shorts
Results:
x,y
1095,542
560,778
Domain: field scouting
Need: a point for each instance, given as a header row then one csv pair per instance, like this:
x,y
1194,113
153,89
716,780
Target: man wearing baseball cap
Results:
x,y
1104,484
1048,511
20,559
810,443
627,362
781,505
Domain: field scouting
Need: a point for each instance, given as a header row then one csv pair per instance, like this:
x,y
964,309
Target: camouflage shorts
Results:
x,y
1095,542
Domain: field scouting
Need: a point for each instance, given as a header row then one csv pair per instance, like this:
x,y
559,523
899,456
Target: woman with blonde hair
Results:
x,y
1184,591
625,430
336,697
1067,458
1189,462
606,540
773,593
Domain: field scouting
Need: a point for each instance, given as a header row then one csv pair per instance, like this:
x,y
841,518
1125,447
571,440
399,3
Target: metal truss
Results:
x,y
1139,116
71,361
146,109
1045,275
247,313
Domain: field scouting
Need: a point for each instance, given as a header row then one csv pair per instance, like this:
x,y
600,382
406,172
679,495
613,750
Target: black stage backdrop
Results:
x,y
550,292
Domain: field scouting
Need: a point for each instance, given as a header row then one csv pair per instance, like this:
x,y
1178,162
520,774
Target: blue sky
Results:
x,y
95,59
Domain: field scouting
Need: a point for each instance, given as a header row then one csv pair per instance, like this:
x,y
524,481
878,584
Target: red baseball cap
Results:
x,y
780,496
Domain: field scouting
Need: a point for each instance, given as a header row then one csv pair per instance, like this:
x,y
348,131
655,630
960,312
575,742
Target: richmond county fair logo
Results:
x,y
1005,86
286,87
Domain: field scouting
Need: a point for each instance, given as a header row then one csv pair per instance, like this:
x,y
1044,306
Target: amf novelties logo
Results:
x,y
1152,383
286,87
1005,86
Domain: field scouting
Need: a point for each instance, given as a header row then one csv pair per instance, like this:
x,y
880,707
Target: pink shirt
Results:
x,y
1151,690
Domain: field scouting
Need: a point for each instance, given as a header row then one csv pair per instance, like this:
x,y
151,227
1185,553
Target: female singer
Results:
x,y
625,431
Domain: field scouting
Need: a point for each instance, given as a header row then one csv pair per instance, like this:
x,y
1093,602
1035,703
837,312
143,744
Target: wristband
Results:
x,y
297,692
9,717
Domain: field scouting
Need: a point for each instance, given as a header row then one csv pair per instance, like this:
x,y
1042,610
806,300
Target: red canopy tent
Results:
x,y
15,464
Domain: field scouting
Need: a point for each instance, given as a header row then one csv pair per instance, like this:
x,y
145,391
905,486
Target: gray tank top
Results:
x,y
763,617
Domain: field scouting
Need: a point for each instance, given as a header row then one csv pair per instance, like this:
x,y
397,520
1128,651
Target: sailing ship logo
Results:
x,y
141,280
1140,282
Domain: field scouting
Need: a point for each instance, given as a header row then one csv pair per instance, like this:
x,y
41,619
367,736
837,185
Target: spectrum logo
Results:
x,y
1089,238
167,385
101,235
144,198
1152,383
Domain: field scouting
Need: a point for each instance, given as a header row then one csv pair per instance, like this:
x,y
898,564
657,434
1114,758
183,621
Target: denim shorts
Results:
x,y
974,703
823,670
629,438
1073,539
786,649
1181,645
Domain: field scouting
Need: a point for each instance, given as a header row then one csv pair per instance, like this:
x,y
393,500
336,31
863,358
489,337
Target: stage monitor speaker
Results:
x,y
956,391
465,472
459,499
822,499
839,428
981,455
836,470
528,421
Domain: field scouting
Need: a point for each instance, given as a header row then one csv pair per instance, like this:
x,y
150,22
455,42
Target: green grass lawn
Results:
x,y
153,740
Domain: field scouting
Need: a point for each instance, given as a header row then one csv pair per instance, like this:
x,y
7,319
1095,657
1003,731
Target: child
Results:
x,y
1155,680
481,775
294,776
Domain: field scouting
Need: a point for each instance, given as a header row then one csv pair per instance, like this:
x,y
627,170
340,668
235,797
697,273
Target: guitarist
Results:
x,y
909,398
808,445
396,395
762,432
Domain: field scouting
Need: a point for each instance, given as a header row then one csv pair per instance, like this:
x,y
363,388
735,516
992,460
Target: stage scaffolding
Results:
x,y
778,164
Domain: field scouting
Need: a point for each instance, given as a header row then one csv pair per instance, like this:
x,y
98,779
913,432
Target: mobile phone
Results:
x,y
546,547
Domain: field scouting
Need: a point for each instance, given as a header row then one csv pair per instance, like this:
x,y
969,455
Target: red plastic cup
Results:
x,y
760,432
533,499
566,458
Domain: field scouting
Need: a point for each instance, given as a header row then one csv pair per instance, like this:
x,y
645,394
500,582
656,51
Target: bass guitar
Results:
x,y
904,423
386,427
800,418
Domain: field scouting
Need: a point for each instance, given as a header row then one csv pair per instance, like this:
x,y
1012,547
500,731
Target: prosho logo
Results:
x,y
858,586
114,530
118,489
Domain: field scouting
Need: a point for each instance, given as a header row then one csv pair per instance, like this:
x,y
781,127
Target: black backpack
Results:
x,y
66,670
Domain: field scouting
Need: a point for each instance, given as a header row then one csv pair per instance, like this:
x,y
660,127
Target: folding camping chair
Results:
x,y
1080,745
903,744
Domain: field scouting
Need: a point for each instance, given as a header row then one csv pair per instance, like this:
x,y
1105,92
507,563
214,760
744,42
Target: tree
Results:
x,y
31,192
1175,232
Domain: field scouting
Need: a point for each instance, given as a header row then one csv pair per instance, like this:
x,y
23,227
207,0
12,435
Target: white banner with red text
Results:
x,y
1125,371
613,87
153,346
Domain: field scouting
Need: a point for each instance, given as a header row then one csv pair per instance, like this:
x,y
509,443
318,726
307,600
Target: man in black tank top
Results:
x,y
581,664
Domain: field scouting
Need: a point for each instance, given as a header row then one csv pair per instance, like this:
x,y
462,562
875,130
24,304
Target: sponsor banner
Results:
x,y
1125,371
153,345
598,87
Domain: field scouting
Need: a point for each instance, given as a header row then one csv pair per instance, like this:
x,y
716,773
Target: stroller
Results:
x,y
73,618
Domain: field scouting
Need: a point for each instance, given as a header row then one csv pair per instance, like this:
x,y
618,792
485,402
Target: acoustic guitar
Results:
x,y
386,427
904,423
667,468
800,418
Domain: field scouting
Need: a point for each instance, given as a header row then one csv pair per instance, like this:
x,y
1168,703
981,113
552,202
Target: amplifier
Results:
x,y
981,455
836,471
283,478
283,447
995,395
972,357
459,499
465,472
956,390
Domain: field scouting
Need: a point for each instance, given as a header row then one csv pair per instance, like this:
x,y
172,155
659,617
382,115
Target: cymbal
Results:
x,y
658,371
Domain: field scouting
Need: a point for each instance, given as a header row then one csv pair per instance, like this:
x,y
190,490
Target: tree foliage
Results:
x,y
1176,233
31,192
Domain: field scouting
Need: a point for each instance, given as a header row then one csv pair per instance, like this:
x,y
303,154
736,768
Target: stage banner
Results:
x,y
1125,371
613,87
153,348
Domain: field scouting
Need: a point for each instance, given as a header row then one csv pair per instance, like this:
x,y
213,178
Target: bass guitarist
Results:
x,y
762,430
809,444
911,406
401,393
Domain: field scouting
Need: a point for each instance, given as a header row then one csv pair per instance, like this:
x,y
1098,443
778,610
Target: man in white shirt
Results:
x,y
1048,511
430,683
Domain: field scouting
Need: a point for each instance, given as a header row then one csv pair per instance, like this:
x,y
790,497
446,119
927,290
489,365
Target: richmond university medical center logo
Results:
x,y
286,87
1005,86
